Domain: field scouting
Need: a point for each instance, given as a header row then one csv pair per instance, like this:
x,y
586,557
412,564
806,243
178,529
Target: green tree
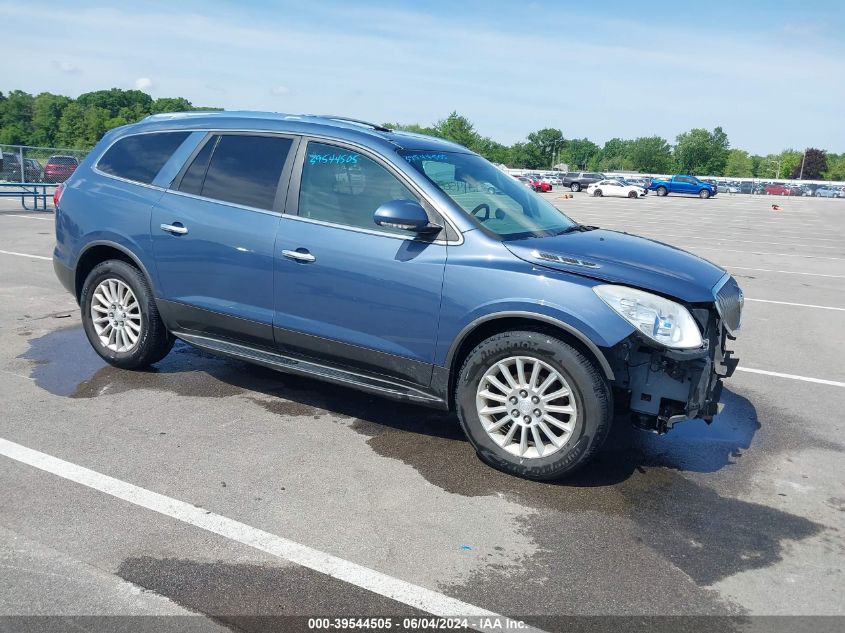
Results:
x,y
613,156
459,129
578,152
739,164
702,152
46,113
542,147
650,154
171,104
835,167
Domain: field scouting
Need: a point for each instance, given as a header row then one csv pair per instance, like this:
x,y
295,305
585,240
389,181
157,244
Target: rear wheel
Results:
x,y
704,194
532,405
662,191
120,317
576,187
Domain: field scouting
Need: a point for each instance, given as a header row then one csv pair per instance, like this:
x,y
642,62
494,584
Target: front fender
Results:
x,y
477,290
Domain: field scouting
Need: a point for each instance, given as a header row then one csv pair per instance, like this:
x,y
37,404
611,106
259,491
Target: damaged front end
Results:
x,y
662,386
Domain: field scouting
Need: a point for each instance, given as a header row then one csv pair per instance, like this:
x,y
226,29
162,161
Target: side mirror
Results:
x,y
407,215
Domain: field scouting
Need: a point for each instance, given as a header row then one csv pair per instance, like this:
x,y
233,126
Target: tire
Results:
x,y
575,186
152,342
704,194
662,191
597,193
590,398
632,194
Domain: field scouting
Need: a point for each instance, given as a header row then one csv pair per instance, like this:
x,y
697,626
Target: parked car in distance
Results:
x,y
552,179
727,188
830,192
682,183
59,168
637,182
526,181
33,170
615,187
11,167
578,180
368,258
538,184
778,190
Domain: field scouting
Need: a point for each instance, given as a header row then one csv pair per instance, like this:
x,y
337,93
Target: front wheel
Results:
x,y
532,405
576,187
597,193
662,191
120,317
632,194
704,194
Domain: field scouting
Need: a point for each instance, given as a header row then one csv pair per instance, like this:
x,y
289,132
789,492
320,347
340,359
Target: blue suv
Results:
x,y
395,263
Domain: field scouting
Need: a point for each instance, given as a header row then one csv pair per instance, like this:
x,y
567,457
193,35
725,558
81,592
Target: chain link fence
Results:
x,y
24,164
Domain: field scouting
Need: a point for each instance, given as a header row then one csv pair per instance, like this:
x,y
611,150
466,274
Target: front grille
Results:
x,y
729,302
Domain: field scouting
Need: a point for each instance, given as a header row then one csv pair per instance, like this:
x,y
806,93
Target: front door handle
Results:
x,y
299,256
175,229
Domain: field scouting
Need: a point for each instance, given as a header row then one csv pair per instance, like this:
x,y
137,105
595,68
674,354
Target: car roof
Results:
x,y
341,128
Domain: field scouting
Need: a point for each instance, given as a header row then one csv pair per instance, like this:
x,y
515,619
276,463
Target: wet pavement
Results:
x,y
732,518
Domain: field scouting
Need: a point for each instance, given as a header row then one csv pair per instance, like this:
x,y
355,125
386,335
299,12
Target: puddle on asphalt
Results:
x,y
637,476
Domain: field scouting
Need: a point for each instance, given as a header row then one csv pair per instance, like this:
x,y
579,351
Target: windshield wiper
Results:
x,y
577,227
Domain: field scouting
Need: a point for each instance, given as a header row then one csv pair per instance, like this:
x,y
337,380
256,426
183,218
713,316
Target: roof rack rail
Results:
x,y
344,119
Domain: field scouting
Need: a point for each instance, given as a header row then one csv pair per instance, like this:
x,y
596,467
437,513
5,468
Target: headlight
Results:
x,y
661,320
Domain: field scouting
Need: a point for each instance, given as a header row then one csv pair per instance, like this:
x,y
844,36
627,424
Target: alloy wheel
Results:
x,y
526,407
116,315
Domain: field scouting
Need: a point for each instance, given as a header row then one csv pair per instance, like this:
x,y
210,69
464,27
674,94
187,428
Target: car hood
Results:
x,y
622,258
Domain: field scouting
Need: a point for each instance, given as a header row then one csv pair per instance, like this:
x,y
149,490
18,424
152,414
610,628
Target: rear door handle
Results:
x,y
175,229
299,256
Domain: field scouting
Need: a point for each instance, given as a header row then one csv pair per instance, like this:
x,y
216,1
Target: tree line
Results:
x,y
49,120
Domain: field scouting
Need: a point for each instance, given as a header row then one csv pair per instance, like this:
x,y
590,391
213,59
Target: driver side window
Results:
x,y
345,187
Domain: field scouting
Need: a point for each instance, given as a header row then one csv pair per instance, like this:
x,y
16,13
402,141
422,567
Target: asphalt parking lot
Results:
x,y
744,517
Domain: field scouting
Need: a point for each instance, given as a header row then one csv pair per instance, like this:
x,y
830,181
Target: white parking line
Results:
x,y
25,255
28,217
800,305
399,590
820,381
785,272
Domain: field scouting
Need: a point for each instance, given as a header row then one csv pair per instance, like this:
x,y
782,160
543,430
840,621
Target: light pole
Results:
x,y
803,158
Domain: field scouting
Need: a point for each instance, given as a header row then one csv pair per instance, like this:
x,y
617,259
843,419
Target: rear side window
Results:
x,y
241,170
138,157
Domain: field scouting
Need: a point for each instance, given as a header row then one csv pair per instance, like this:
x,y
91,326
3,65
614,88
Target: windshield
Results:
x,y
497,202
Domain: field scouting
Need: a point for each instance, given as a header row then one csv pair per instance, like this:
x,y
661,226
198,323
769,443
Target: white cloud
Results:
x,y
66,67
281,90
143,83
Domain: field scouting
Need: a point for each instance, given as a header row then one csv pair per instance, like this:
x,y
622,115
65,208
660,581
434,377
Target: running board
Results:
x,y
373,384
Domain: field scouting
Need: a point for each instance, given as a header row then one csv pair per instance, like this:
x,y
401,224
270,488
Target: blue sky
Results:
x,y
772,74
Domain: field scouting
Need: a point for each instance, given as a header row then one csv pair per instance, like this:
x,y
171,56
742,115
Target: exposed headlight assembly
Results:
x,y
661,320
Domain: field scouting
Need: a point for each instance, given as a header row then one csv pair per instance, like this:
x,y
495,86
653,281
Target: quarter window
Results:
x,y
244,169
194,177
342,186
139,157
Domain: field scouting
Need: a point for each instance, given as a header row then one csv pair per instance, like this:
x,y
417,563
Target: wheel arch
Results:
x,y
99,251
491,324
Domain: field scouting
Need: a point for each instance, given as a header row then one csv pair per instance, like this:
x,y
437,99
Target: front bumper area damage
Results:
x,y
662,386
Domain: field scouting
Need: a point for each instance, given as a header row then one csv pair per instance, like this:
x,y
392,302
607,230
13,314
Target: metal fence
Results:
x,y
25,164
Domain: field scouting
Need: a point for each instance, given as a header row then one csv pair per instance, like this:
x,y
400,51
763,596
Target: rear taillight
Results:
x,y
57,194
